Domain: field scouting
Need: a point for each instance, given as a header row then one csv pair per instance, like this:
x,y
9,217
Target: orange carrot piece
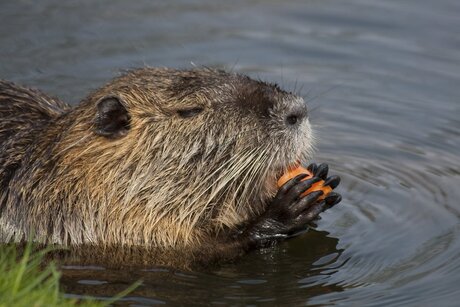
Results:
x,y
318,186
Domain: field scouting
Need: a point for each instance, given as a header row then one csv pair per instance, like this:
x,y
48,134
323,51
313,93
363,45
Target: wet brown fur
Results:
x,y
170,184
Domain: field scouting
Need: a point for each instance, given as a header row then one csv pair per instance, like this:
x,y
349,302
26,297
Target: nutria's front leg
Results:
x,y
287,215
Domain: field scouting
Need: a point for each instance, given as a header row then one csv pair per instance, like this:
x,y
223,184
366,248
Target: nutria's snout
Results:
x,y
296,115
290,138
296,136
289,110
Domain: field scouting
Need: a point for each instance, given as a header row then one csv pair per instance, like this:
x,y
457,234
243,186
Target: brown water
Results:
x,y
387,74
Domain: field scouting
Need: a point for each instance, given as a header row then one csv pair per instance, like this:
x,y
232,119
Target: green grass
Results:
x,y
25,281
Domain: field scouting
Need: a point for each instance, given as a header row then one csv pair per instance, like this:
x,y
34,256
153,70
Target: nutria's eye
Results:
x,y
186,113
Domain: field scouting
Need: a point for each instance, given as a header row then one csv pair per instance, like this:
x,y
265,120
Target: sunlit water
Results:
x,y
383,81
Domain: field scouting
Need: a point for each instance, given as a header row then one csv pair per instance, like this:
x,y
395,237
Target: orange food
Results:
x,y
318,186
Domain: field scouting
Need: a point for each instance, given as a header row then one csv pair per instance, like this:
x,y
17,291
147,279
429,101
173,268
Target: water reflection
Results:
x,y
263,276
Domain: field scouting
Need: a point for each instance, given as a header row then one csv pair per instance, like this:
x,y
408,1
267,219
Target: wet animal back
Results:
x,y
22,114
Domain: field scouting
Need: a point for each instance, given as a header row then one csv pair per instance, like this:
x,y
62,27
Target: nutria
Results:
x,y
171,160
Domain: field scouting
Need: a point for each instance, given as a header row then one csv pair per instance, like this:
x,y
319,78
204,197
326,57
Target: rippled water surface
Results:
x,y
383,81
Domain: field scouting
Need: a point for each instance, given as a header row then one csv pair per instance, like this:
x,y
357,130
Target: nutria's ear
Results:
x,y
112,119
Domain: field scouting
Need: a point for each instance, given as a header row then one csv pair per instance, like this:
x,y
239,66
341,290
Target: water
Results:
x,y
383,81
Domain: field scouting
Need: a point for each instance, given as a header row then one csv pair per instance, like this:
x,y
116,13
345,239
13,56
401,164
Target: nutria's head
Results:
x,y
184,149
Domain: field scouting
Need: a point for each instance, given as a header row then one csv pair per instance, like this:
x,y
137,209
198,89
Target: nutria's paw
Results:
x,y
289,213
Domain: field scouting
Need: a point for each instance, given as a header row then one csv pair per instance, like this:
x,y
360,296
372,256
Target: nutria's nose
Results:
x,y
296,115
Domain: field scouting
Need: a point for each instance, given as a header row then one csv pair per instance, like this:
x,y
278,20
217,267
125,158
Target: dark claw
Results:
x,y
332,199
322,171
299,178
312,168
288,185
306,202
332,181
